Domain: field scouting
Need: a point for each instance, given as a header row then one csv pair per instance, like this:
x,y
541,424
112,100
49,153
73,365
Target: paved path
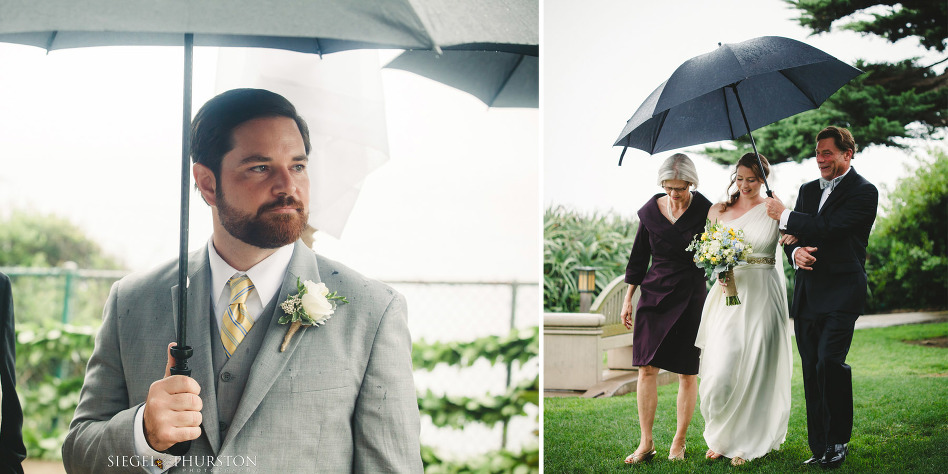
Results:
x,y
32,466
896,319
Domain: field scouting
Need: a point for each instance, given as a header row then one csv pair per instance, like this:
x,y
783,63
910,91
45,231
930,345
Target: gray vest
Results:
x,y
232,374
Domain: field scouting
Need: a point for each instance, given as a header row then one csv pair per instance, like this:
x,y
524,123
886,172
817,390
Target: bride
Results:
x,y
745,349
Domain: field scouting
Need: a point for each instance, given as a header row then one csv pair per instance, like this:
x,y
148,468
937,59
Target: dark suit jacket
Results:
x,y
840,232
12,451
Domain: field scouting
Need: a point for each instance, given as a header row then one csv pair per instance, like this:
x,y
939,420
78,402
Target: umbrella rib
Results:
x,y
727,110
319,48
805,93
52,38
504,82
661,123
426,28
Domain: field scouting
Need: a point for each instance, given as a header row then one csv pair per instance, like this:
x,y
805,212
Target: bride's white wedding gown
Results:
x,y
746,361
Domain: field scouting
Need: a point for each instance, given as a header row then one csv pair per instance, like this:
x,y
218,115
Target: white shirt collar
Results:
x,y
267,276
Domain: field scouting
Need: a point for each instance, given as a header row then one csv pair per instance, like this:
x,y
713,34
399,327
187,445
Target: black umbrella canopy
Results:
x,y
498,79
506,76
732,90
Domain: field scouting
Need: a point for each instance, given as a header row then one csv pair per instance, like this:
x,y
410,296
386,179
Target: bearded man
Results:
x,y
336,397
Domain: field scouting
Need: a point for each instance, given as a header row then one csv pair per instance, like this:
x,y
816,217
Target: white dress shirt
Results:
x,y
785,215
267,278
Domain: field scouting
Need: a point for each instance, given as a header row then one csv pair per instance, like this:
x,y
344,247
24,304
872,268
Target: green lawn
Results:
x,y
901,417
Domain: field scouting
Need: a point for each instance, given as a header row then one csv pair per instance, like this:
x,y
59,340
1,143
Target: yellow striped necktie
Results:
x,y
237,320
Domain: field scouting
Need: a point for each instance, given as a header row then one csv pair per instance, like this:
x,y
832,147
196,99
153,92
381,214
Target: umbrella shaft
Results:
x,y
185,189
751,135
182,352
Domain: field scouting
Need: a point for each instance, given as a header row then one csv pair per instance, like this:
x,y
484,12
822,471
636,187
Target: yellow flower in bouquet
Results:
x,y
718,250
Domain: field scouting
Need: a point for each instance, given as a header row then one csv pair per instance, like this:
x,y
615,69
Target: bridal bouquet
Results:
x,y
718,250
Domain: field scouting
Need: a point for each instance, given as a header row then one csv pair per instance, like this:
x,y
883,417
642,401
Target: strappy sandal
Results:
x,y
640,458
680,456
737,461
712,455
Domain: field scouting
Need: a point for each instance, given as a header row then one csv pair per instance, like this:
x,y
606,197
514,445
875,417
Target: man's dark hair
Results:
x,y
213,127
841,137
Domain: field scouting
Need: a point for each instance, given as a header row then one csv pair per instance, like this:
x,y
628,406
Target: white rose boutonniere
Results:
x,y
312,305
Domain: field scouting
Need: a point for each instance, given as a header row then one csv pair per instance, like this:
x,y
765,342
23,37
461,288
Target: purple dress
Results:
x,y
673,288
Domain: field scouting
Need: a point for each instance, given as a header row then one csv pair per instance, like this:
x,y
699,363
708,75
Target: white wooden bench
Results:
x,y
616,340
573,343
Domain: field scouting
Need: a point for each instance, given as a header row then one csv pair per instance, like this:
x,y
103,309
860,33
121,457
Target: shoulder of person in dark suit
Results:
x,y
853,211
12,450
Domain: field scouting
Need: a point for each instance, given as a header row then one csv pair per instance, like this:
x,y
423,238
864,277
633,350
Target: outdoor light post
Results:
x,y
587,286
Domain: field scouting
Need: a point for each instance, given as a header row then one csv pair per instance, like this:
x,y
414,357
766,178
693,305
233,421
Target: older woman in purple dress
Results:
x,y
673,293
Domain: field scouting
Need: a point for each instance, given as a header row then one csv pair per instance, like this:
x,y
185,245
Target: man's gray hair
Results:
x,y
678,166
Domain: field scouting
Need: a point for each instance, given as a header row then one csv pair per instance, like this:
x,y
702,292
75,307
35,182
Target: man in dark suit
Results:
x,y
832,219
12,451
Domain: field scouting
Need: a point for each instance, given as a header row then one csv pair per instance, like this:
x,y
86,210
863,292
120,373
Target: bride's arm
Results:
x,y
787,239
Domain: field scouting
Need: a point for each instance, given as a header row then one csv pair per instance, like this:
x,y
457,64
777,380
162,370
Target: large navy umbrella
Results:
x,y
732,90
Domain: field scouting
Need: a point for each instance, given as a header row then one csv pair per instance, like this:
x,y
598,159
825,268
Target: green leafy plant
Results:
x,y
51,363
521,346
573,239
907,264
527,461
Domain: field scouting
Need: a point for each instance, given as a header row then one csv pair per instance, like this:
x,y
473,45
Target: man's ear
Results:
x,y
206,183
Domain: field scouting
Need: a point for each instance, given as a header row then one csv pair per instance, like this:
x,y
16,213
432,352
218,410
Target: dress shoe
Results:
x,y
813,461
834,456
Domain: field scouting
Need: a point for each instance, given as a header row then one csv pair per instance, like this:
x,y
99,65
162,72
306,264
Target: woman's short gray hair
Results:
x,y
678,166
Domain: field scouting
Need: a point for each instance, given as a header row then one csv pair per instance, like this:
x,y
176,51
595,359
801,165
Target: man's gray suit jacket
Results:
x,y
341,398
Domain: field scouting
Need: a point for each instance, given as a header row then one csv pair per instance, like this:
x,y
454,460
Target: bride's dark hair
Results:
x,y
749,160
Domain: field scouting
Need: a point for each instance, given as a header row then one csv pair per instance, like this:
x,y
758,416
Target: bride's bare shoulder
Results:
x,y
715,212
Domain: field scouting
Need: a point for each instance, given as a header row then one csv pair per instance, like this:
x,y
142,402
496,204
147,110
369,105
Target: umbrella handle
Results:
x,y
181,356
180,367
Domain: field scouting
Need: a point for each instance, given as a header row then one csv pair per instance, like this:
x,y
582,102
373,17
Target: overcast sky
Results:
x,y
602,59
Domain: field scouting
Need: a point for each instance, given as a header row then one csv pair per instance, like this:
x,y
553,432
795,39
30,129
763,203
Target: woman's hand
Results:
x,y
722,280
788,239
626,313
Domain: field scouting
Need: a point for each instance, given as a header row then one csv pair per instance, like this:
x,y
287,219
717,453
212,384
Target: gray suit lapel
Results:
x,y
270,362
202,367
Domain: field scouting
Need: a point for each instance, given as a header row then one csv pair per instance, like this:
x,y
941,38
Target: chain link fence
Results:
x,y
463,311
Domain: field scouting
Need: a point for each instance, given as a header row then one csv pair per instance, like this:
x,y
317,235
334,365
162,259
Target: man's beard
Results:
x,y
264,230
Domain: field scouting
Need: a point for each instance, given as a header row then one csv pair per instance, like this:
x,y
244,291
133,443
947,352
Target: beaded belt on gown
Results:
x,y
761,260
